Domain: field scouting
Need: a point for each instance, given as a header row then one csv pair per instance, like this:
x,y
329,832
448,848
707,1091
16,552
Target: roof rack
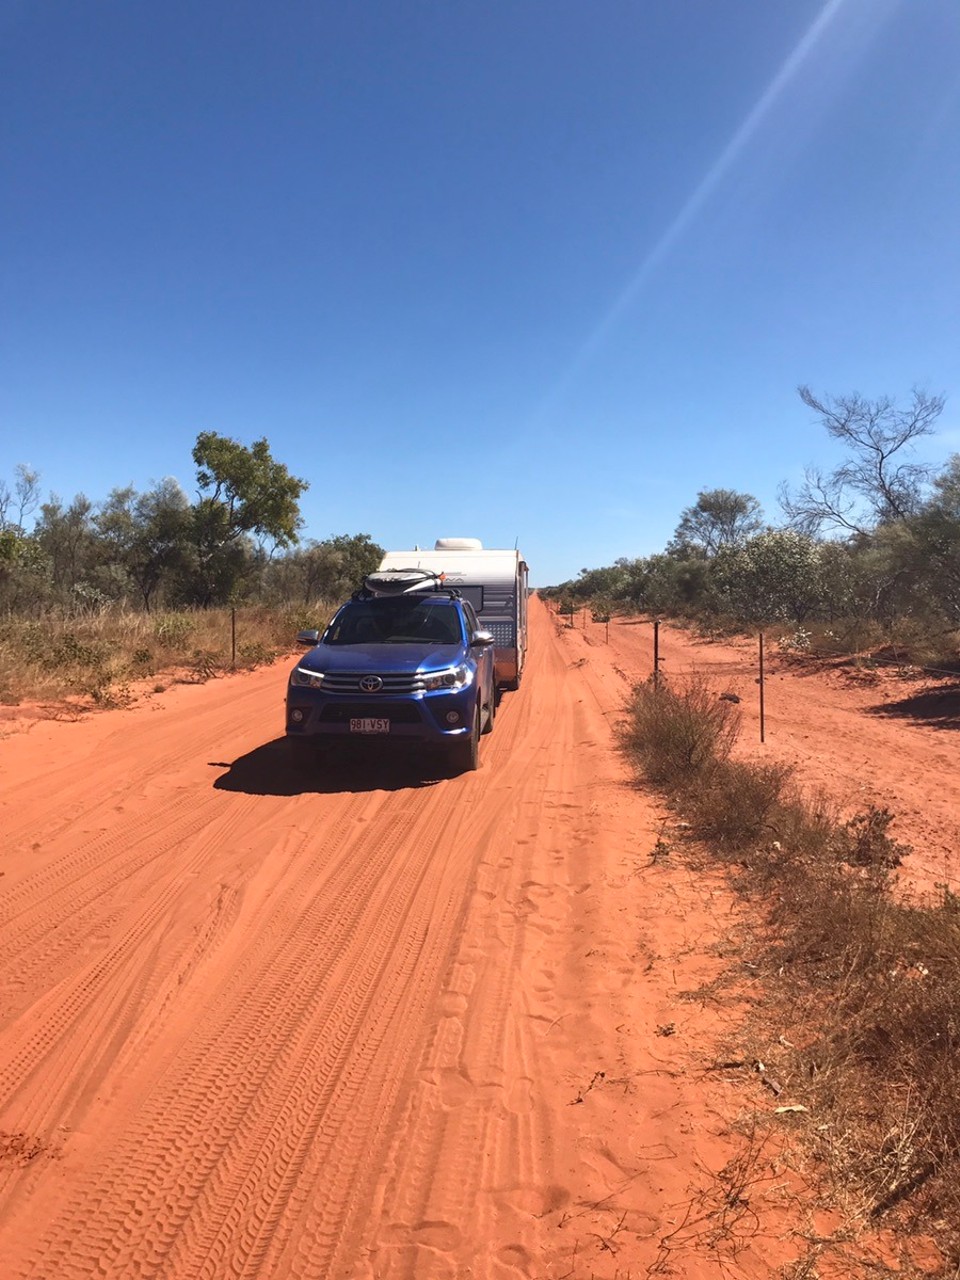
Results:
x,y
402,582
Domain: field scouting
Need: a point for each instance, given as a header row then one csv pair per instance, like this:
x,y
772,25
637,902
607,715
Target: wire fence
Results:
x,y
819,655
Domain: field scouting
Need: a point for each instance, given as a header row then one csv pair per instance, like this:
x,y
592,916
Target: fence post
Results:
x,y
233,636
656,653
762,718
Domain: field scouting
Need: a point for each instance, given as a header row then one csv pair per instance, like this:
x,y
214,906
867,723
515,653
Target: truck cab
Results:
x,y
405,662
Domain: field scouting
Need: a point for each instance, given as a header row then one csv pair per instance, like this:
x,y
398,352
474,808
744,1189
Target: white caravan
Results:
x,y
494,582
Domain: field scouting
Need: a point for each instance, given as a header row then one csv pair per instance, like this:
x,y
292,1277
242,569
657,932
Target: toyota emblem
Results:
x,y
371,684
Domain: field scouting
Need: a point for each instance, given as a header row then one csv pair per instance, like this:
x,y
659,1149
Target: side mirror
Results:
x,y
308,638
481,639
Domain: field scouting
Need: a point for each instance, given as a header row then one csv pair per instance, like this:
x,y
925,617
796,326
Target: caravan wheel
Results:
x,y
513,685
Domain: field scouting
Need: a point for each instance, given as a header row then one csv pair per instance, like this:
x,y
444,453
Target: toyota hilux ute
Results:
x,y
406,662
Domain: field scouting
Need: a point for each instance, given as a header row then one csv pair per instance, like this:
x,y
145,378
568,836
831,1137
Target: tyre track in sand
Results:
x,y
339,1029
472,1173
248,1094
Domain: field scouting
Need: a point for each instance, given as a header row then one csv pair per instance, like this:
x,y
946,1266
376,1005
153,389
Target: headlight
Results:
x,y
452,678
312,679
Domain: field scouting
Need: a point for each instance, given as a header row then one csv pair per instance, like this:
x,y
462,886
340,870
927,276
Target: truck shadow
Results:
x,y
268,771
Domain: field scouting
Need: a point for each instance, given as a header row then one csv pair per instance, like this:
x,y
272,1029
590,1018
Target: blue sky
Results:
x,y
517,270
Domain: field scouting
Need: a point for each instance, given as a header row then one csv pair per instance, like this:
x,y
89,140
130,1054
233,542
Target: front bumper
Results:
x,y
433,718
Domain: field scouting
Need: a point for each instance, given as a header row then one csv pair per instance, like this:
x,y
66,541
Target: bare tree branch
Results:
x,y
875,484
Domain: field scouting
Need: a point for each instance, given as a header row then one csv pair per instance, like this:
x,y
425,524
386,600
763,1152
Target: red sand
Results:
x,y
386,1026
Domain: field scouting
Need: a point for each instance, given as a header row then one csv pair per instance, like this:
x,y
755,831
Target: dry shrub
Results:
x,y
879,985
734,805
864,841
872,981
875,982
677,733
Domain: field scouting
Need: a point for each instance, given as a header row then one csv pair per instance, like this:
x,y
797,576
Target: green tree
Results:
x,y
929,552
719,518
774,576
67,538
591,583
24,572
147,535
328,570
243,493
336,567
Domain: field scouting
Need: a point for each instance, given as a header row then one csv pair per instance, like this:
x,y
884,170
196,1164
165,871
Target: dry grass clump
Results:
x,y
872,982
676,735
735,804
877,985
97,656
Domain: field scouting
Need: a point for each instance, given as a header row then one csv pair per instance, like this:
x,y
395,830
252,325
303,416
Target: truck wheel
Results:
x,y
491,711
465,752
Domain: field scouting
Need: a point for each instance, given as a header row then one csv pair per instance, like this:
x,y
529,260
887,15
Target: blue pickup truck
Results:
x,y
405,661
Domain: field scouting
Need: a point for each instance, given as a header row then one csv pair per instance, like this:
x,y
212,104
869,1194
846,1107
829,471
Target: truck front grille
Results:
x,y
349,682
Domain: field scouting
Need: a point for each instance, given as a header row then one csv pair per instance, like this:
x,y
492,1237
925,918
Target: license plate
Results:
x,y
367,724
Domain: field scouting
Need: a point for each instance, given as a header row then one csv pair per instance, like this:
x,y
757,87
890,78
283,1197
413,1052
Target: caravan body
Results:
x,y
493,581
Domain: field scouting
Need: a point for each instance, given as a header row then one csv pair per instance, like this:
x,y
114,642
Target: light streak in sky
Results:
x,y
701,193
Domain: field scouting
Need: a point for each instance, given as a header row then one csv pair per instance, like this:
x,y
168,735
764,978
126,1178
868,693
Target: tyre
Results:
x,y
465,752
513,685
491,711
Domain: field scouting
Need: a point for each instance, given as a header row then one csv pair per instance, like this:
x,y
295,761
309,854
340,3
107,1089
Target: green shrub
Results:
x,y
254,653
70,651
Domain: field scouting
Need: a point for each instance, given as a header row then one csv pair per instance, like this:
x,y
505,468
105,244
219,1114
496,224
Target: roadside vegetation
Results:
x,y
865,560
858,1033
106,657
97,597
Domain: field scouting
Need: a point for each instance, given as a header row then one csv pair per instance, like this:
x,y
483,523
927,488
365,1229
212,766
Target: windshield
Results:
x,y
402,621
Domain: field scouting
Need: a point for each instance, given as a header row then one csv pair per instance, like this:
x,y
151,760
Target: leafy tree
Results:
x,y
774,576
930,549
876,483
719,518
242,492
946,490
147,535
67,537
336,566
329,570
24,572
591,583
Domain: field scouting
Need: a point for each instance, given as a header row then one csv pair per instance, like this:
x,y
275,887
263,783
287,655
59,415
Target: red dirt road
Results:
x,y
379,1026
